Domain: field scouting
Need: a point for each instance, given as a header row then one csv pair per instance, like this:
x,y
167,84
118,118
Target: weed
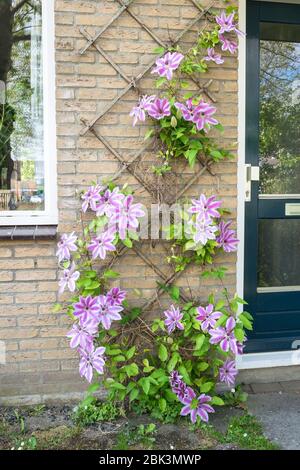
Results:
x,y
20,421
169,414
97,411
237,397
247,432
36,410
25,444
143,435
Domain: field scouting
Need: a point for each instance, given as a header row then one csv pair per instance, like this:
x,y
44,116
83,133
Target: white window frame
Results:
x,y
49,216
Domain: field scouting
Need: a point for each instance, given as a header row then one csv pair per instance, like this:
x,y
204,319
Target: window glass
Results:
x,y
279,117
21,112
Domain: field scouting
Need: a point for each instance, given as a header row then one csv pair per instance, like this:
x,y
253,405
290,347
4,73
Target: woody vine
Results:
x,y
192,346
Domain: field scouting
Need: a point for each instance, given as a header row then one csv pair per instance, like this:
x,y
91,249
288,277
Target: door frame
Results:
x,y
262,359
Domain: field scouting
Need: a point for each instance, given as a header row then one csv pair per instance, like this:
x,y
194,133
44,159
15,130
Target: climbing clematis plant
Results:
x,y
171,364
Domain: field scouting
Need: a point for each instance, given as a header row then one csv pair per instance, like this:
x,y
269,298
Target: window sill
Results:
x,y
28,232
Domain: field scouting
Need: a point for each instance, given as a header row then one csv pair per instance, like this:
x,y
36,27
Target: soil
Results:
x,y
53,428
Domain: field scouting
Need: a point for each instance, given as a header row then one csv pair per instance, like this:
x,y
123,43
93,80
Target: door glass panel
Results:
x,y
279,111
278,253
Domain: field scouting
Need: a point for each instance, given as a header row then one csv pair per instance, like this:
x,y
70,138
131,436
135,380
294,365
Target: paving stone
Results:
x,y
291,386
279,414
267,387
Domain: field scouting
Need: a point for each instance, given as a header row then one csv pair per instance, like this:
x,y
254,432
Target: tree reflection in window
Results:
x,y
21,116
279,119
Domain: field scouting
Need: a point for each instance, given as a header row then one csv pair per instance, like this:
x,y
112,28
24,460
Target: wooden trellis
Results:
x,y
132,84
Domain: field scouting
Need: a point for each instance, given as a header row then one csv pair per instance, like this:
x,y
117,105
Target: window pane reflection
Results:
x,y
21,116
279,252
279,145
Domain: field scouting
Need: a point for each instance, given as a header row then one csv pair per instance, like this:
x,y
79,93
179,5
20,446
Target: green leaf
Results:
x,y
133,394
239,334
145,384
206,387
132,370
191,155
110,274
199,341
185,375
217,401
202,366
57,308
162,404
93,388
112,352
247,323
119,358
172,362
149,134
127,242
160,82
188,95
117,386
130,353
159,50
175,293
162,353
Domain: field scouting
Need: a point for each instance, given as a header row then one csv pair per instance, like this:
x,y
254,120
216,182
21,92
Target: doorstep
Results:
x,y
279,387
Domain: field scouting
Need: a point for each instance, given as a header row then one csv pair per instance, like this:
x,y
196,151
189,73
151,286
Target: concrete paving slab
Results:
x,y
280,416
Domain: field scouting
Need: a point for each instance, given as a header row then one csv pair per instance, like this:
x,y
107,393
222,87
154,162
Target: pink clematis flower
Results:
x,y
213,56
126,216
68,279
166,65
205,207
227,238
87,308
159,109
228,372
91,197
100,245
116,296
196,406
108,312
187,110
203,113
207,317
110,198
228,45
227,24
82,334
177,385
65,246
138,112
91,359
225,336
204,230
173,319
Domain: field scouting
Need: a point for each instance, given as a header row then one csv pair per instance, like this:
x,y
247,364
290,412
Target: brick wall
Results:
x,y
40,365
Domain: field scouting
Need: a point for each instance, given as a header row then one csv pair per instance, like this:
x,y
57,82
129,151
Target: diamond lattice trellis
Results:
x,y
132,83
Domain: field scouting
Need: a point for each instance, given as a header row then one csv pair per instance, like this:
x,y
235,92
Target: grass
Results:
x,y
246,431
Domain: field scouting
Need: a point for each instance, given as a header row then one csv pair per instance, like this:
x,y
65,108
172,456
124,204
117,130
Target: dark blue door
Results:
x,y
272,207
